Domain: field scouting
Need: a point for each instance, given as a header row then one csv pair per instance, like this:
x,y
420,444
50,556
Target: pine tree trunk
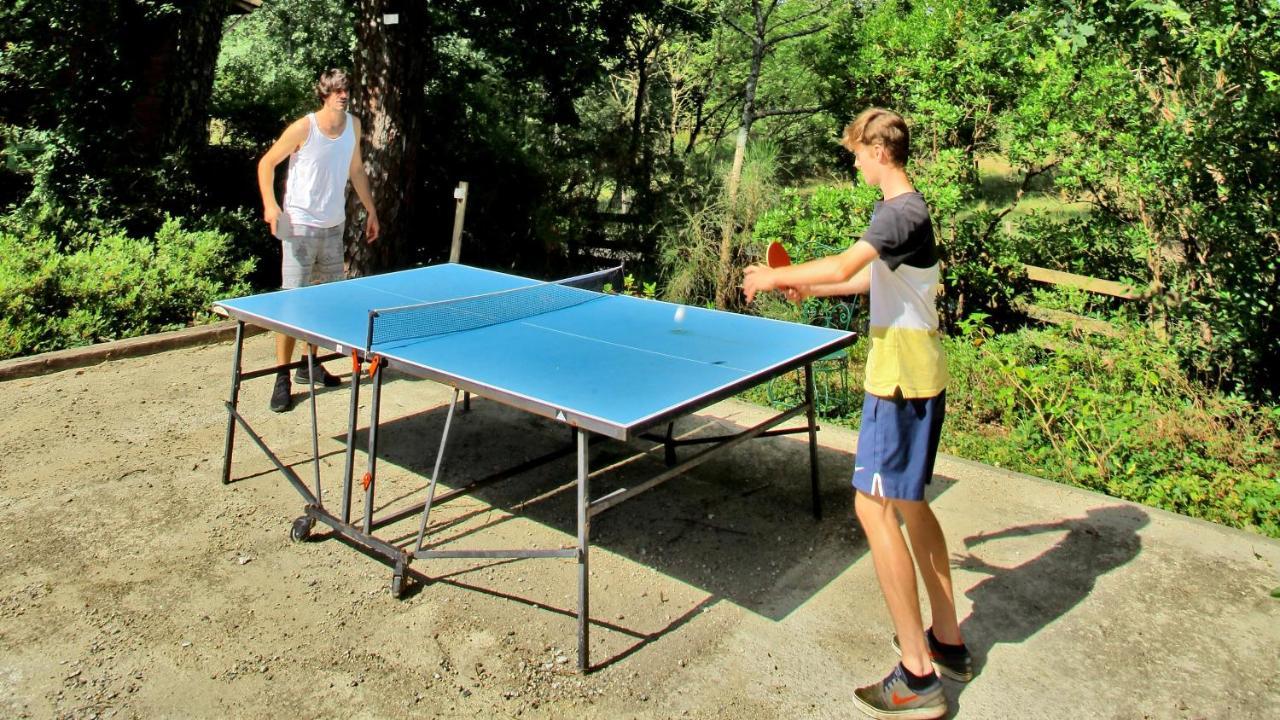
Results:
x,y
388,95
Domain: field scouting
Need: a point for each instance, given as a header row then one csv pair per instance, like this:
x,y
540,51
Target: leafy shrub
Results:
x,y
110,285
30,269
690,251
822,221
810,224
1116,415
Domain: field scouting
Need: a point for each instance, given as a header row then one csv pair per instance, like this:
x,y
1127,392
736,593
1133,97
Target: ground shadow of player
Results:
x,y
1015,603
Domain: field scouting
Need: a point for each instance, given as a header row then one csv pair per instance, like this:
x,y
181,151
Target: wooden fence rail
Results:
x,y
1083,282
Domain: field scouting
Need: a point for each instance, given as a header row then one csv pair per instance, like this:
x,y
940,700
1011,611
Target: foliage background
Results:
x,y
1128,141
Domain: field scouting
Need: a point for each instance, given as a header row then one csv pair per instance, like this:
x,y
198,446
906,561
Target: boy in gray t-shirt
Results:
x,y
896,263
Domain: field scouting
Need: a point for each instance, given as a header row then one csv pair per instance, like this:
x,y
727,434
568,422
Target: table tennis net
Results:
x,y
424,320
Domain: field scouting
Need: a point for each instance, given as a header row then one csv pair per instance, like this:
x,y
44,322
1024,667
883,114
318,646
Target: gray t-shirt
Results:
x,y
902,233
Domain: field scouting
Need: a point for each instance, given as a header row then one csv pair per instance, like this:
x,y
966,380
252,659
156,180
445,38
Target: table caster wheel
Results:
x,y
397,586
301,529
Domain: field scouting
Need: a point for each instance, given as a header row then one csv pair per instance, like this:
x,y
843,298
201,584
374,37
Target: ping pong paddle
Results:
x,y
777,255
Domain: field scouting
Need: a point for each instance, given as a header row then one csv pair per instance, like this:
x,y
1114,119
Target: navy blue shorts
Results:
x,y
897,445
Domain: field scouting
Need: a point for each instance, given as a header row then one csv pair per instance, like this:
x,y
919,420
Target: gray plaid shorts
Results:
x,y
311,255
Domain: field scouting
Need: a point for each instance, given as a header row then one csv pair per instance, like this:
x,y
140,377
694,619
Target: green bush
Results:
x,y
1113,414
820,221
30,269
110,285
981,266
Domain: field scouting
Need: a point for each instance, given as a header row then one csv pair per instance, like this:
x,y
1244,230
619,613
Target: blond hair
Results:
x,y
877,126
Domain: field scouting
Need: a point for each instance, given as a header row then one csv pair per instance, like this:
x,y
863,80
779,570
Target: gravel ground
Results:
x,y
134,584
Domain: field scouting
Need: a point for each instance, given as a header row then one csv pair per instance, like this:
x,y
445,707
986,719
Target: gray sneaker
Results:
x,y
953,664
893,699
322,377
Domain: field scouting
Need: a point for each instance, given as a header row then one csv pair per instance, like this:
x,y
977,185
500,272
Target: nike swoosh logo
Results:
x,y
900,700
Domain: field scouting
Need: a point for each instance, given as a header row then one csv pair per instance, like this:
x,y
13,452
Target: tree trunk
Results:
x,y
171,113
388,95
725,285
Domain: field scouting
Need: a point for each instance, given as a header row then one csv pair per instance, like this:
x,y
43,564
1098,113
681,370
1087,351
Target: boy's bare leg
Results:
x,y
284,349
930,549
897,575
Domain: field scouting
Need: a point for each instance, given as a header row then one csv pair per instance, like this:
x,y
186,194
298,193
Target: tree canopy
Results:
x,y
1138,139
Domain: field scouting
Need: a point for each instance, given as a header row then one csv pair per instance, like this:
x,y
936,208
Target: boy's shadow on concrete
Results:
x,y
1014,603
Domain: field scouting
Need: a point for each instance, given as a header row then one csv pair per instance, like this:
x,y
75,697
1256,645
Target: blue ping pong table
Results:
x,y
601,364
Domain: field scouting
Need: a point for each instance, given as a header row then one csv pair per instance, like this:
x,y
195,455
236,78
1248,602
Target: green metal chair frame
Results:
x,y
837,313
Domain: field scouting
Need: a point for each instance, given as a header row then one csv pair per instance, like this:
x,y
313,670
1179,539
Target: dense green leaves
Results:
x,y
103,106
110,285
1115,415
269,63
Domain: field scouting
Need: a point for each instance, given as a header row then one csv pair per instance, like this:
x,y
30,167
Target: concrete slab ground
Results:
x,y
134,584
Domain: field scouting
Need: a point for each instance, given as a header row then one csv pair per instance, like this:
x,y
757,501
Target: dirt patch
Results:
x,y
139,585
134,584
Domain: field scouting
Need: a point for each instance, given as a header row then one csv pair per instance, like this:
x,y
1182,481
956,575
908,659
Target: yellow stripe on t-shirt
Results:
x,y
910,359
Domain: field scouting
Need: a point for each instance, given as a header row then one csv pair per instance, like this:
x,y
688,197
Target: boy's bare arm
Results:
x,y
290,140
360,181
859,284
830,270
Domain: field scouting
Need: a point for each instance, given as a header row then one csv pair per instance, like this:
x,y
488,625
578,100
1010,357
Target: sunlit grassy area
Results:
x,y
1000,183
999,187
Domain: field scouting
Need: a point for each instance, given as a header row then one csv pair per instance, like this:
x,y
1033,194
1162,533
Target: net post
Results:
x,y
459,213
368,343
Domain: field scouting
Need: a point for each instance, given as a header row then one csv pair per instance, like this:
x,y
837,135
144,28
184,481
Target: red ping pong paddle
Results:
x,y
777,255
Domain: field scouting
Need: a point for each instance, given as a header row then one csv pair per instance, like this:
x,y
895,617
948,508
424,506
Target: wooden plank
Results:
x,y
56,360
459,215
1058,277
624,218
1067,319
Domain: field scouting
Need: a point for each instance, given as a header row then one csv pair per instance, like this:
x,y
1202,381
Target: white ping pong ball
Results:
x,y
680,314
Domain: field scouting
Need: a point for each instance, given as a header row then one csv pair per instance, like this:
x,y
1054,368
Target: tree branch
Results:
x,y
729,21
706,119
762,21
1099,199
799,33
803,16
1022,190
760,114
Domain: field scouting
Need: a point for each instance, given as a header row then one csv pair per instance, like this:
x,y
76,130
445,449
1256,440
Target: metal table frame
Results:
x,y
361,533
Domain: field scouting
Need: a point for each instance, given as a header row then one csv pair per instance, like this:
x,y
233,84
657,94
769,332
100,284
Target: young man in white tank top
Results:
x,y
324,153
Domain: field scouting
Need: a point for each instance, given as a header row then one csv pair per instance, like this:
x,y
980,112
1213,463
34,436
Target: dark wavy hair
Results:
x,y
331,81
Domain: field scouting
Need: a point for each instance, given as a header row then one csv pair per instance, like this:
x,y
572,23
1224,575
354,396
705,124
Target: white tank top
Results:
x,y
316,189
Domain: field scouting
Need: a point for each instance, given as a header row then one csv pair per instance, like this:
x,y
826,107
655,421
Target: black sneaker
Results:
x,y
893,699
282,395
322,378
949,662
